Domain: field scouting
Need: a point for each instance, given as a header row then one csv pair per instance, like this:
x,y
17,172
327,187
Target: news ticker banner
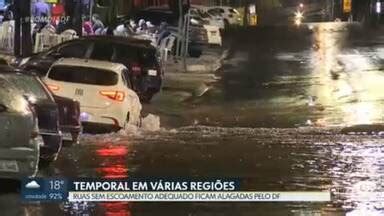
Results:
x,y
155,190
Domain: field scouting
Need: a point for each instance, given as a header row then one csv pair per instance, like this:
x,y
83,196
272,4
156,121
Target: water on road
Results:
x,y
274,121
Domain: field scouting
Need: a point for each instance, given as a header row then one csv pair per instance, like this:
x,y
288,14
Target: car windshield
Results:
x,y
83,75
28,85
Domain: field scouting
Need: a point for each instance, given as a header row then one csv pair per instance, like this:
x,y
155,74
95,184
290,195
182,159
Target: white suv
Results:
x,y
102,88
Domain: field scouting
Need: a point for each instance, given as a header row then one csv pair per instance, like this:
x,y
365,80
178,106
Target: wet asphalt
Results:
x,y
274,120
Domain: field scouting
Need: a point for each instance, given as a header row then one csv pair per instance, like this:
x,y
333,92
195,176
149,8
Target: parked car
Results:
x,y
19,146
230,15
214,35
138,55
46,111
56,115
104,90
213,31
208,18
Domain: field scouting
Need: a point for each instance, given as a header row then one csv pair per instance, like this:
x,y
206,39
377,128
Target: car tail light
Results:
x,y
136,69
114,95
53,87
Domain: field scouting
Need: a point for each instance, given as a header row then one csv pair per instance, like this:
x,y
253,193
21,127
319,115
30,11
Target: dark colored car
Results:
x,y
19,138
49,111
139,56
45,109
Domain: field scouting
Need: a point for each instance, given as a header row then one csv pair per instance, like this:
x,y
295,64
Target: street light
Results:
x,y
298,18
299,15
298,22
378,7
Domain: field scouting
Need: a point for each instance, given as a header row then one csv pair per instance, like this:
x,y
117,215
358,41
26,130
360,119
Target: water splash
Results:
x,y
150,123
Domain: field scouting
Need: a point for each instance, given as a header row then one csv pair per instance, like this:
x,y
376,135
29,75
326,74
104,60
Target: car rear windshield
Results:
x,y
83,75
28,85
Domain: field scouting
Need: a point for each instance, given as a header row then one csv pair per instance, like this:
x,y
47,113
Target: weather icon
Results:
x,y
32,185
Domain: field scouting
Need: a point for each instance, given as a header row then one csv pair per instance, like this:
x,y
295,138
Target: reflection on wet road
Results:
x,y
266,159
275,77
329,75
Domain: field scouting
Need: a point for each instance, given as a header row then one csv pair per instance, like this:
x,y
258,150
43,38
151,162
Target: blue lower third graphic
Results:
x,y
39,189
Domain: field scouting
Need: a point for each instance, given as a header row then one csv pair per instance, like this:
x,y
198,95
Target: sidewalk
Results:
x,y
199,75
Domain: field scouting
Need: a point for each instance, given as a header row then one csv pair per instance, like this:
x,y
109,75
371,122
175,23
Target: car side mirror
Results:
x,y
2,108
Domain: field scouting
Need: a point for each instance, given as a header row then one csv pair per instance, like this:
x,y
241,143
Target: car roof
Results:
x,y
89,63
6,69
119,39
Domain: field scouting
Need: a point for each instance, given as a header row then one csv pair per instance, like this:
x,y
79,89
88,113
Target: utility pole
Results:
x,y
186,39
91,3
17,31
180,27
26,36
22,37
74,11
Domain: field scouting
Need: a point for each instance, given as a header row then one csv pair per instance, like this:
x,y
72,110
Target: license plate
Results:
x,y
79,92
152,72
8,166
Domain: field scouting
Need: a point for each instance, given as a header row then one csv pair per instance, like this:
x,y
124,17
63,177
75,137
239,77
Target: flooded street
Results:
x,y
274,120
285,77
